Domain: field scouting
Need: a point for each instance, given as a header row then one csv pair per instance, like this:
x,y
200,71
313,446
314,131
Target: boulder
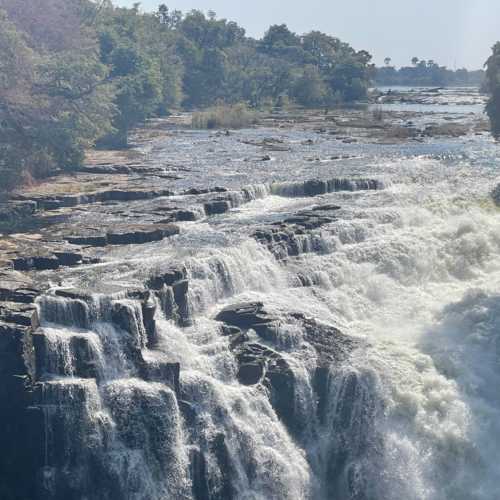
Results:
x,y
216,207
246,315
167,278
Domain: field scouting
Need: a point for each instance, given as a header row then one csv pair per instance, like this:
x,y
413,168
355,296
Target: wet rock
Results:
x,y
332,346
196,191
326,208
148,315
260,364
90,239
17,312
47,363
224,487
130,234
291,240
16,354
139,234
246,315
119,195
199,475
188,411
238,339
43,262
251,373
21,439
216,207
317,187
180,292
40,262
185,215
228,330
168,278
15,211
17,287
164,372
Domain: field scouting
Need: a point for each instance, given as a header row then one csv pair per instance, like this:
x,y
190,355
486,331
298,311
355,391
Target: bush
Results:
x,y
224,116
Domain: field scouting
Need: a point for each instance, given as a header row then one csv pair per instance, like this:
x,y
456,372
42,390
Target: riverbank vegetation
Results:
x,y
493,88
77,73
423,73
224,116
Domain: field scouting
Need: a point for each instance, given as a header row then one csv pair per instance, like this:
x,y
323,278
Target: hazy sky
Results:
x,y
452,32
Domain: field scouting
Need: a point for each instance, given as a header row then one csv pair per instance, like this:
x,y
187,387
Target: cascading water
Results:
x,y
361,361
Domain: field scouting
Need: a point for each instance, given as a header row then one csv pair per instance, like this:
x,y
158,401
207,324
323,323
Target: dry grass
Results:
x,y
224,116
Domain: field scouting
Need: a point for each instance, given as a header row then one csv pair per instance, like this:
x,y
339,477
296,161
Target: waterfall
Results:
x,y
358,361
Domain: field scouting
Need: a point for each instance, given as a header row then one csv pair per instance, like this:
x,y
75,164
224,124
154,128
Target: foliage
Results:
x,y
310,89
53,103
426,73
493,89
224,116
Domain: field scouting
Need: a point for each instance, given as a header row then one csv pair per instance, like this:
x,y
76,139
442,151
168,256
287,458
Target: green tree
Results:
x,y
310,88
54,103
493,88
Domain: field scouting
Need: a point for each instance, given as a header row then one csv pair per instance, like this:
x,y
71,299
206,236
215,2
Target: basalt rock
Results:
x,y
317,187
197,192
247,315
84,363
20,435
17,313
164,372
167,278
216,207
139,234
130,234
296,234
260,364
15,211
121,195
17,287
50,261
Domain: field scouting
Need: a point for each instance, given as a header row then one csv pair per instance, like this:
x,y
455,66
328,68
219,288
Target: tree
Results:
x,y
387,61
493,88
54,103
277,38
310,88
414,61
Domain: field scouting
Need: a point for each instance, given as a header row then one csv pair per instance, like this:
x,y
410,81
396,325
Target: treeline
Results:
x,y
492,86
423,73
74,73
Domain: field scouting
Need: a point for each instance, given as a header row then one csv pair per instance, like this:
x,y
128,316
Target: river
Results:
x,y
378,379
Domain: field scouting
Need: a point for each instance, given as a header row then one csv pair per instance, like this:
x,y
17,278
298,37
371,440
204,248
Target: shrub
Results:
x,y
224,116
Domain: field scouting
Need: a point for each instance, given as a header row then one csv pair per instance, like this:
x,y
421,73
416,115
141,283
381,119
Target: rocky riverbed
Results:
x,y
253,313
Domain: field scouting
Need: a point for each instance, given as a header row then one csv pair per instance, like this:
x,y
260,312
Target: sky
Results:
x,y
455,33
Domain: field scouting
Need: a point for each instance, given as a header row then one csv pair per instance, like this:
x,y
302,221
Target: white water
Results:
x,y
413,272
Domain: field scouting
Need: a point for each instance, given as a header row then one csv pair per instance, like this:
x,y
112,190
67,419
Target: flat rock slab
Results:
x,y
135,234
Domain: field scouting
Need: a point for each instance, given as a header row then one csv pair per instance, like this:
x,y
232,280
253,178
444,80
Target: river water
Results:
x,y
409,273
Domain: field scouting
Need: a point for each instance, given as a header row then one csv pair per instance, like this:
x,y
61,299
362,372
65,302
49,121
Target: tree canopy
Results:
x,y
425,73
493,88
